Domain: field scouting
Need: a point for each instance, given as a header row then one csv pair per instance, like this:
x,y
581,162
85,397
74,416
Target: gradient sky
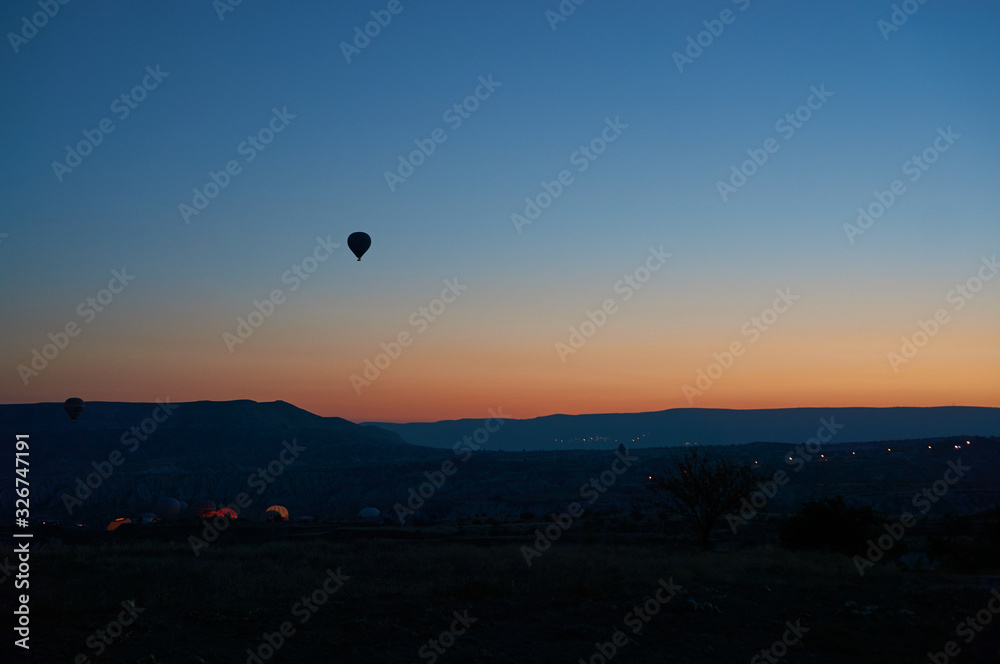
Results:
x,y
495,345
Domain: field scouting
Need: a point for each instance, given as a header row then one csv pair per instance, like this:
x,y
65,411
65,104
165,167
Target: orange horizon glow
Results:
x,y
624,369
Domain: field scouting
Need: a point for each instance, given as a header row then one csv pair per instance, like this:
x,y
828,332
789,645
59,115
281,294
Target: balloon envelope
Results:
x,y
276,513
118,522
167,508
74,406
202,508
359,243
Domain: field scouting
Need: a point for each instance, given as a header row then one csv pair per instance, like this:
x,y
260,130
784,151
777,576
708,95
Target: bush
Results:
x,y
830,525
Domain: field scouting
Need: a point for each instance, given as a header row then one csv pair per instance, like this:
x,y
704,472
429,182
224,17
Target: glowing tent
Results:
x,y
227,512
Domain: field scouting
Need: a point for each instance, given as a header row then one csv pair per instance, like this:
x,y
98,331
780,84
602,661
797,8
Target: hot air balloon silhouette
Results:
x,y
359,243
167,508
73,407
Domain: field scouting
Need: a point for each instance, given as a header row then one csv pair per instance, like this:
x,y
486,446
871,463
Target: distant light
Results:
x,y
853,452
928,447
967,442
822,456
956,447
890,449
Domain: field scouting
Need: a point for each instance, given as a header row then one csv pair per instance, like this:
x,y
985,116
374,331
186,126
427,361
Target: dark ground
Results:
x,y
403,592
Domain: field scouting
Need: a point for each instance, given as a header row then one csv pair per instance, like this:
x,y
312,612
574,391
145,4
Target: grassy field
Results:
x,y
567,606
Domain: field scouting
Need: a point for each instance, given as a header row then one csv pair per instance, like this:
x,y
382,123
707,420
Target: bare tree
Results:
x,y
704,486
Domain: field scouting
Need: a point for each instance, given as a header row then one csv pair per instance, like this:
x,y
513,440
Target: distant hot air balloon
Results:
x,y
74,406
359,243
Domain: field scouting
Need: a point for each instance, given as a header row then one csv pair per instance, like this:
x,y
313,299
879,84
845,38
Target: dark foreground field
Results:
x,y
395,596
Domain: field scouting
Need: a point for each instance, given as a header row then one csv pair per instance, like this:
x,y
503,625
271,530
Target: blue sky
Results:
x,y
325,175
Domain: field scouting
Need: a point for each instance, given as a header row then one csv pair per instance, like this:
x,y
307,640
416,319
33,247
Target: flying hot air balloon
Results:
x,y
359,243
73,407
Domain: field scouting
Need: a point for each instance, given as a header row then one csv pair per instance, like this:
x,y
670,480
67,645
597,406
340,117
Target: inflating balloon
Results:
x,y
167,508
73,408
359,243
276,513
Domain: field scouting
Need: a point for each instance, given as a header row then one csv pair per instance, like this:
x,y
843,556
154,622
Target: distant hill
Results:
x,y
214,450
708,426
202,433
201,450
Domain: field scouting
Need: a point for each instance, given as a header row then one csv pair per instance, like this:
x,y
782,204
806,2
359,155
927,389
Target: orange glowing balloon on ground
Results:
x,y
118,522
276,513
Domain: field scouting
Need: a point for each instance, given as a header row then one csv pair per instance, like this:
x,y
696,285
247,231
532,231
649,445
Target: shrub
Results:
x,y
830,524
